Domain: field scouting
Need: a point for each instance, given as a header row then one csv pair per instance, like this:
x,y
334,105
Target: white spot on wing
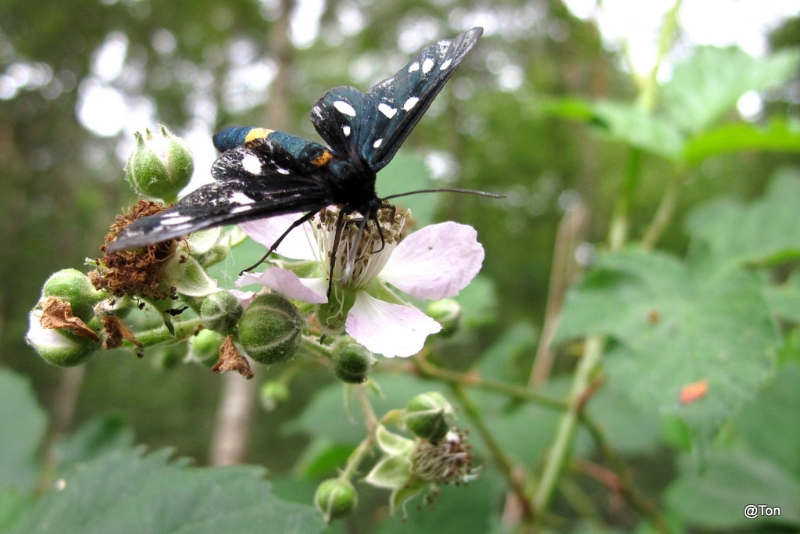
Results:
x,y
344,108
427,65
240,198
175,220
410,103
283,171
346,131
387,110
251,164
446,63
377,143
240,209
414,67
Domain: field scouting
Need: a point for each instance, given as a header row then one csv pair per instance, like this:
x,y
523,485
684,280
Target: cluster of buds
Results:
x,y
79,315
438,454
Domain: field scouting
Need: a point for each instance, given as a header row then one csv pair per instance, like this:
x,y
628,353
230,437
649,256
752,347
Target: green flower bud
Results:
x,y
272,393
204,347
71,285
352,363
447,312
171,356
57,347
160,165
429,416
270,329
335,498
221,311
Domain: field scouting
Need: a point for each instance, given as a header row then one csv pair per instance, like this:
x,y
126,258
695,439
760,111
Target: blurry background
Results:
x,y
77,77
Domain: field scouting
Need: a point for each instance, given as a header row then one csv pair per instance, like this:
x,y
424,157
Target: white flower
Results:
x,y
435,262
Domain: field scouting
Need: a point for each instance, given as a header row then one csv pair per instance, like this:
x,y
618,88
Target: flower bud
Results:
x,y
220,312
447,312
160,165
272,393
57,347
270,329
335,498
352,363
71,285
204,347
429,416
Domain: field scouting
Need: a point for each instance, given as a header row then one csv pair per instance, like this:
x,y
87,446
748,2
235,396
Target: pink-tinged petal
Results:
x,y
287,283
435,262
388,329
245,297
298,245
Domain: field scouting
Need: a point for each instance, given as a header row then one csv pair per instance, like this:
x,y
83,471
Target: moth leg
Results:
x,y
337,236
305,218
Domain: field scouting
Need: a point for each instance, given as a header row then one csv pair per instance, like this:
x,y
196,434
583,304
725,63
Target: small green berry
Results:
x,y
352,363
71,285
429,416
335,498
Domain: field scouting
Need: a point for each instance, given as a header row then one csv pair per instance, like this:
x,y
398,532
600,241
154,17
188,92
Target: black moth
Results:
x,y
263,173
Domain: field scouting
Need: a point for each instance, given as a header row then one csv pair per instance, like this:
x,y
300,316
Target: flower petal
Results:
x,y
388,329
287,283
298,245
435,262
245,297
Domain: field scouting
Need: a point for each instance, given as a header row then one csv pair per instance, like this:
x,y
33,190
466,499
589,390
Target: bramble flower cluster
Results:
x,y
340,297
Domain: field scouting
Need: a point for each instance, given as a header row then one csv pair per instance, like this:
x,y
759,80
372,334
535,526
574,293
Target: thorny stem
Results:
x,y
495,386
363,448
626,484
160,334
566,428
666,208
503,462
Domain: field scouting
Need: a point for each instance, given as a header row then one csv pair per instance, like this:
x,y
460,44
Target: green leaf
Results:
x,y
784,299
716,497
93,439
126,490
629,124
764,230
622,121
626,424
673,325
23,423
778,136
501,359
322,458
709,83
768,424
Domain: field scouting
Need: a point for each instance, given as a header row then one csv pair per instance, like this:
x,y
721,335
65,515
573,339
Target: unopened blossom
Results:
x,y
435,262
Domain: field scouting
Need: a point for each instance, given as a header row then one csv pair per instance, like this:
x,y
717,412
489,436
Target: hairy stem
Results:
x,y
504,463
562,446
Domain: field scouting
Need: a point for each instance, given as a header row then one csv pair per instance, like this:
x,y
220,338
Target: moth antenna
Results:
x,y
446,190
